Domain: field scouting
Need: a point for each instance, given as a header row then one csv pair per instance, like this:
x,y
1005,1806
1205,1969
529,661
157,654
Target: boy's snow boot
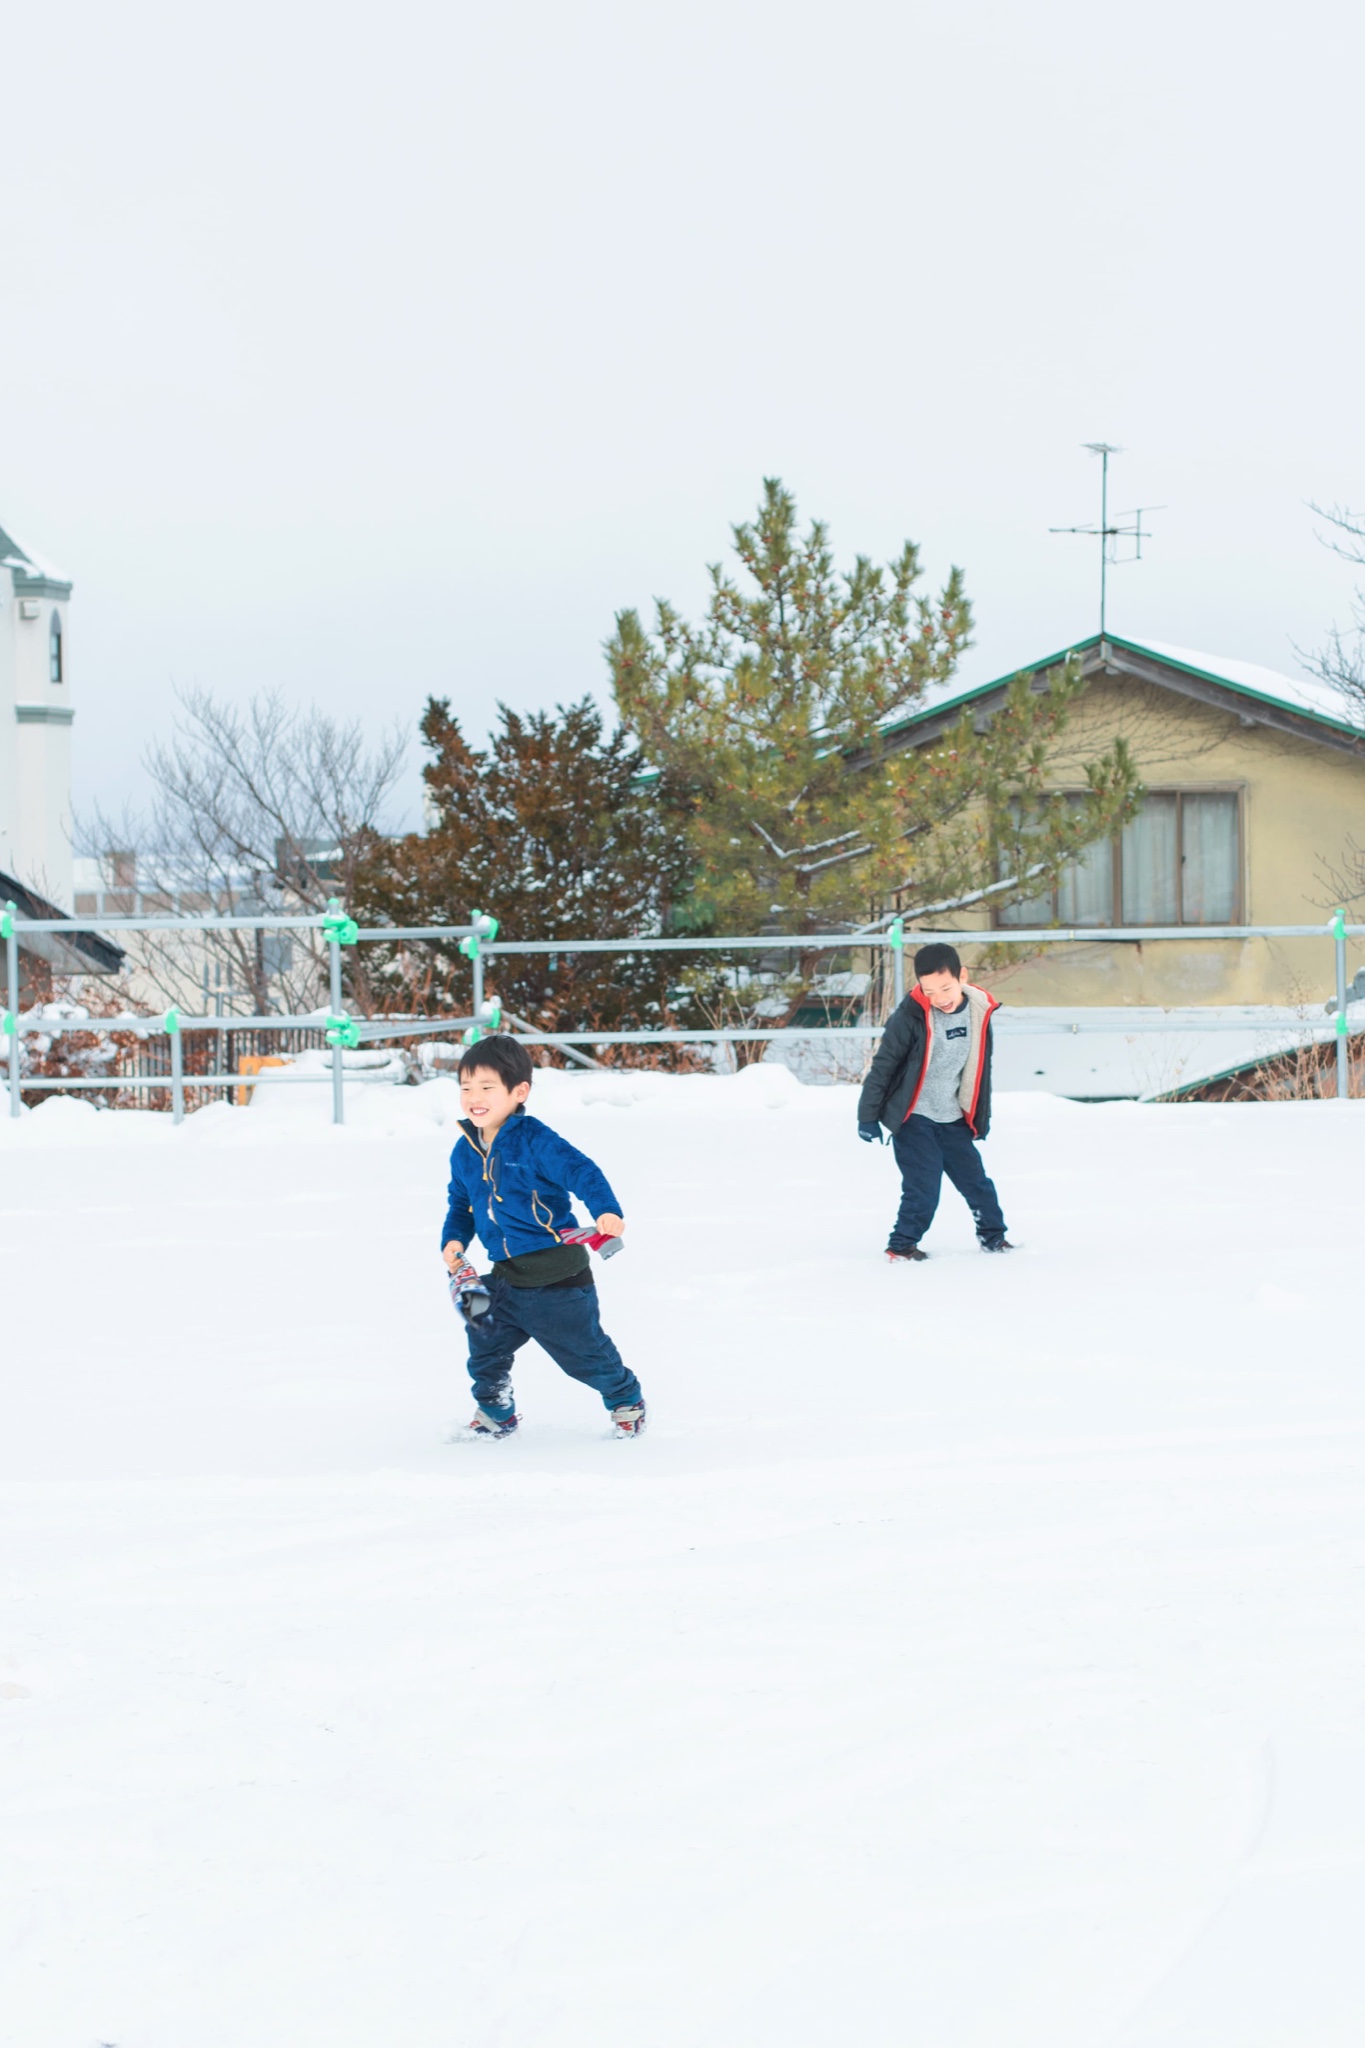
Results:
x,y
905,1257
489,1425
996,1244
628,1421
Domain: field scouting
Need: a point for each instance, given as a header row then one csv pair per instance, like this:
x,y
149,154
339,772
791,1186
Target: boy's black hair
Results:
x,y
498,1054
933,959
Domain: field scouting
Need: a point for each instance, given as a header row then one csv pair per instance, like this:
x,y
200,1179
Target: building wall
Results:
x,y
35,737
9,729
1301,806
44,778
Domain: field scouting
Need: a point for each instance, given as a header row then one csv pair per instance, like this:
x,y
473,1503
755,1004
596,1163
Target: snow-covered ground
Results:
x,y
970,1656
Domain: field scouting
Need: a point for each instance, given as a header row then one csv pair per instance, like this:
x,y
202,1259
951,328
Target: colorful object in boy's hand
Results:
x,y
595,1240
469,1292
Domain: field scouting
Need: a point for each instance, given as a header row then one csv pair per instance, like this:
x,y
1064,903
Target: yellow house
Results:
x,y
1254,815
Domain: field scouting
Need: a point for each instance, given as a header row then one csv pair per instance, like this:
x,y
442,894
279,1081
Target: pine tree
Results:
x,y
551,830
772,716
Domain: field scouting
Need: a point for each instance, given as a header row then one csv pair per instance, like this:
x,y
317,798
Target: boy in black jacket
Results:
x,y
930,1084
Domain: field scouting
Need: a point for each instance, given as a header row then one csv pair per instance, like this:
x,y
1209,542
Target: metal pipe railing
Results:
x,y
209,921
1340,1025
263,1079
479,939
856,942
12,1007
336,1034
1011,1023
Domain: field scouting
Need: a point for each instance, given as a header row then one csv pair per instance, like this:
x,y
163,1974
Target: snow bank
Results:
x,y
968,1656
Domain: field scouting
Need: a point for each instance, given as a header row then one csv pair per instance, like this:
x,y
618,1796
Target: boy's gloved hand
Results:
x,y
469,1290
604,1238
870,1133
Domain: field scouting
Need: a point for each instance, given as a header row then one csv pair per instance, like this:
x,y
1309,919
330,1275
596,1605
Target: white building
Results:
x,y
35,724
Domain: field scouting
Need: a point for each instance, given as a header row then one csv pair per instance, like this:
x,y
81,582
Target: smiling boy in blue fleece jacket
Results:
x,y
511,1177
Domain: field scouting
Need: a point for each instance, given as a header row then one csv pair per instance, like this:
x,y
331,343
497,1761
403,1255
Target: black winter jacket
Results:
x,y
901,1060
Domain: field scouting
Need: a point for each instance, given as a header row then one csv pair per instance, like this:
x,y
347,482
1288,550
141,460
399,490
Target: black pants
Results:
x,y
925,1151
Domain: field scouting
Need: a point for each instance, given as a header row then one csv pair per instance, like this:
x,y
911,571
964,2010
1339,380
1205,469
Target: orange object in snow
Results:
x,y
251,1063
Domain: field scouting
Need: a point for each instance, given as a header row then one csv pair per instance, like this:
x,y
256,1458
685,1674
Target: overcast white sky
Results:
x,y
377,352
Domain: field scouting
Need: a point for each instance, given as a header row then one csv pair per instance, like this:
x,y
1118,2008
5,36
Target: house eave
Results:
x,y
78,951
33,583
1115,656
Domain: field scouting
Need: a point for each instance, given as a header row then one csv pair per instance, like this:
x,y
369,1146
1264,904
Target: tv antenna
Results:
x,y
1110,536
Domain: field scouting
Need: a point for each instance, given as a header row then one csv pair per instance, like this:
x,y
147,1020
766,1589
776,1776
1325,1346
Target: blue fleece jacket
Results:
x,y
515,1197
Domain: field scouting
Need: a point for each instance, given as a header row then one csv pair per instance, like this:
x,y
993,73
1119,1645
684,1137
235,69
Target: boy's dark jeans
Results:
x,y
564,1322
925,1151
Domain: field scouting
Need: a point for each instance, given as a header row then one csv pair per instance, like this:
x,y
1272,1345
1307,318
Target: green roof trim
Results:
x,y
1260,1059
1222,682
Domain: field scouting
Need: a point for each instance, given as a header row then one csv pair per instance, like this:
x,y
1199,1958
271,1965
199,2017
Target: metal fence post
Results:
x,y
338,1055
342,1030
485,929
1342,1027
12,1006
177,1066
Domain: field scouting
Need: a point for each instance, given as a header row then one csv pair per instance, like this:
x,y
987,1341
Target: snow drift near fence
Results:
x,y
970,1655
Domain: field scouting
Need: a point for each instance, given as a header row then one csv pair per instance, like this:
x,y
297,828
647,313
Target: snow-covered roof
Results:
x,y
13,555
1301,694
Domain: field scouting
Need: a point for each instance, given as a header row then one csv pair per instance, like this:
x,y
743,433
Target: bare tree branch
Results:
x,y
266,808
1340,662
1344,878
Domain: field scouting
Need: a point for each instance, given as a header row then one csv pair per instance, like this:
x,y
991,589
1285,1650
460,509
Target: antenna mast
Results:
x,y
1109,535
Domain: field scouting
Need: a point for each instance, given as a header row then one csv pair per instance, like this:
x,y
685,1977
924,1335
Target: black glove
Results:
x,y
870,1133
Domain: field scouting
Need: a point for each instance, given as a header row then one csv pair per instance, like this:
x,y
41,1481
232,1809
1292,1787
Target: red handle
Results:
x,y
595,1240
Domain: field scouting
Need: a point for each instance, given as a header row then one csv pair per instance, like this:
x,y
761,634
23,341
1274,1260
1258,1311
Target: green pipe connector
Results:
x,y
343,1031
7,1023
7,920
1341,1027
170,1023
487,931
336,925
1338,926
895,937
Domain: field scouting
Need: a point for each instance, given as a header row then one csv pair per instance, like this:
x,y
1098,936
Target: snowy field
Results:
x,y
970,1656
